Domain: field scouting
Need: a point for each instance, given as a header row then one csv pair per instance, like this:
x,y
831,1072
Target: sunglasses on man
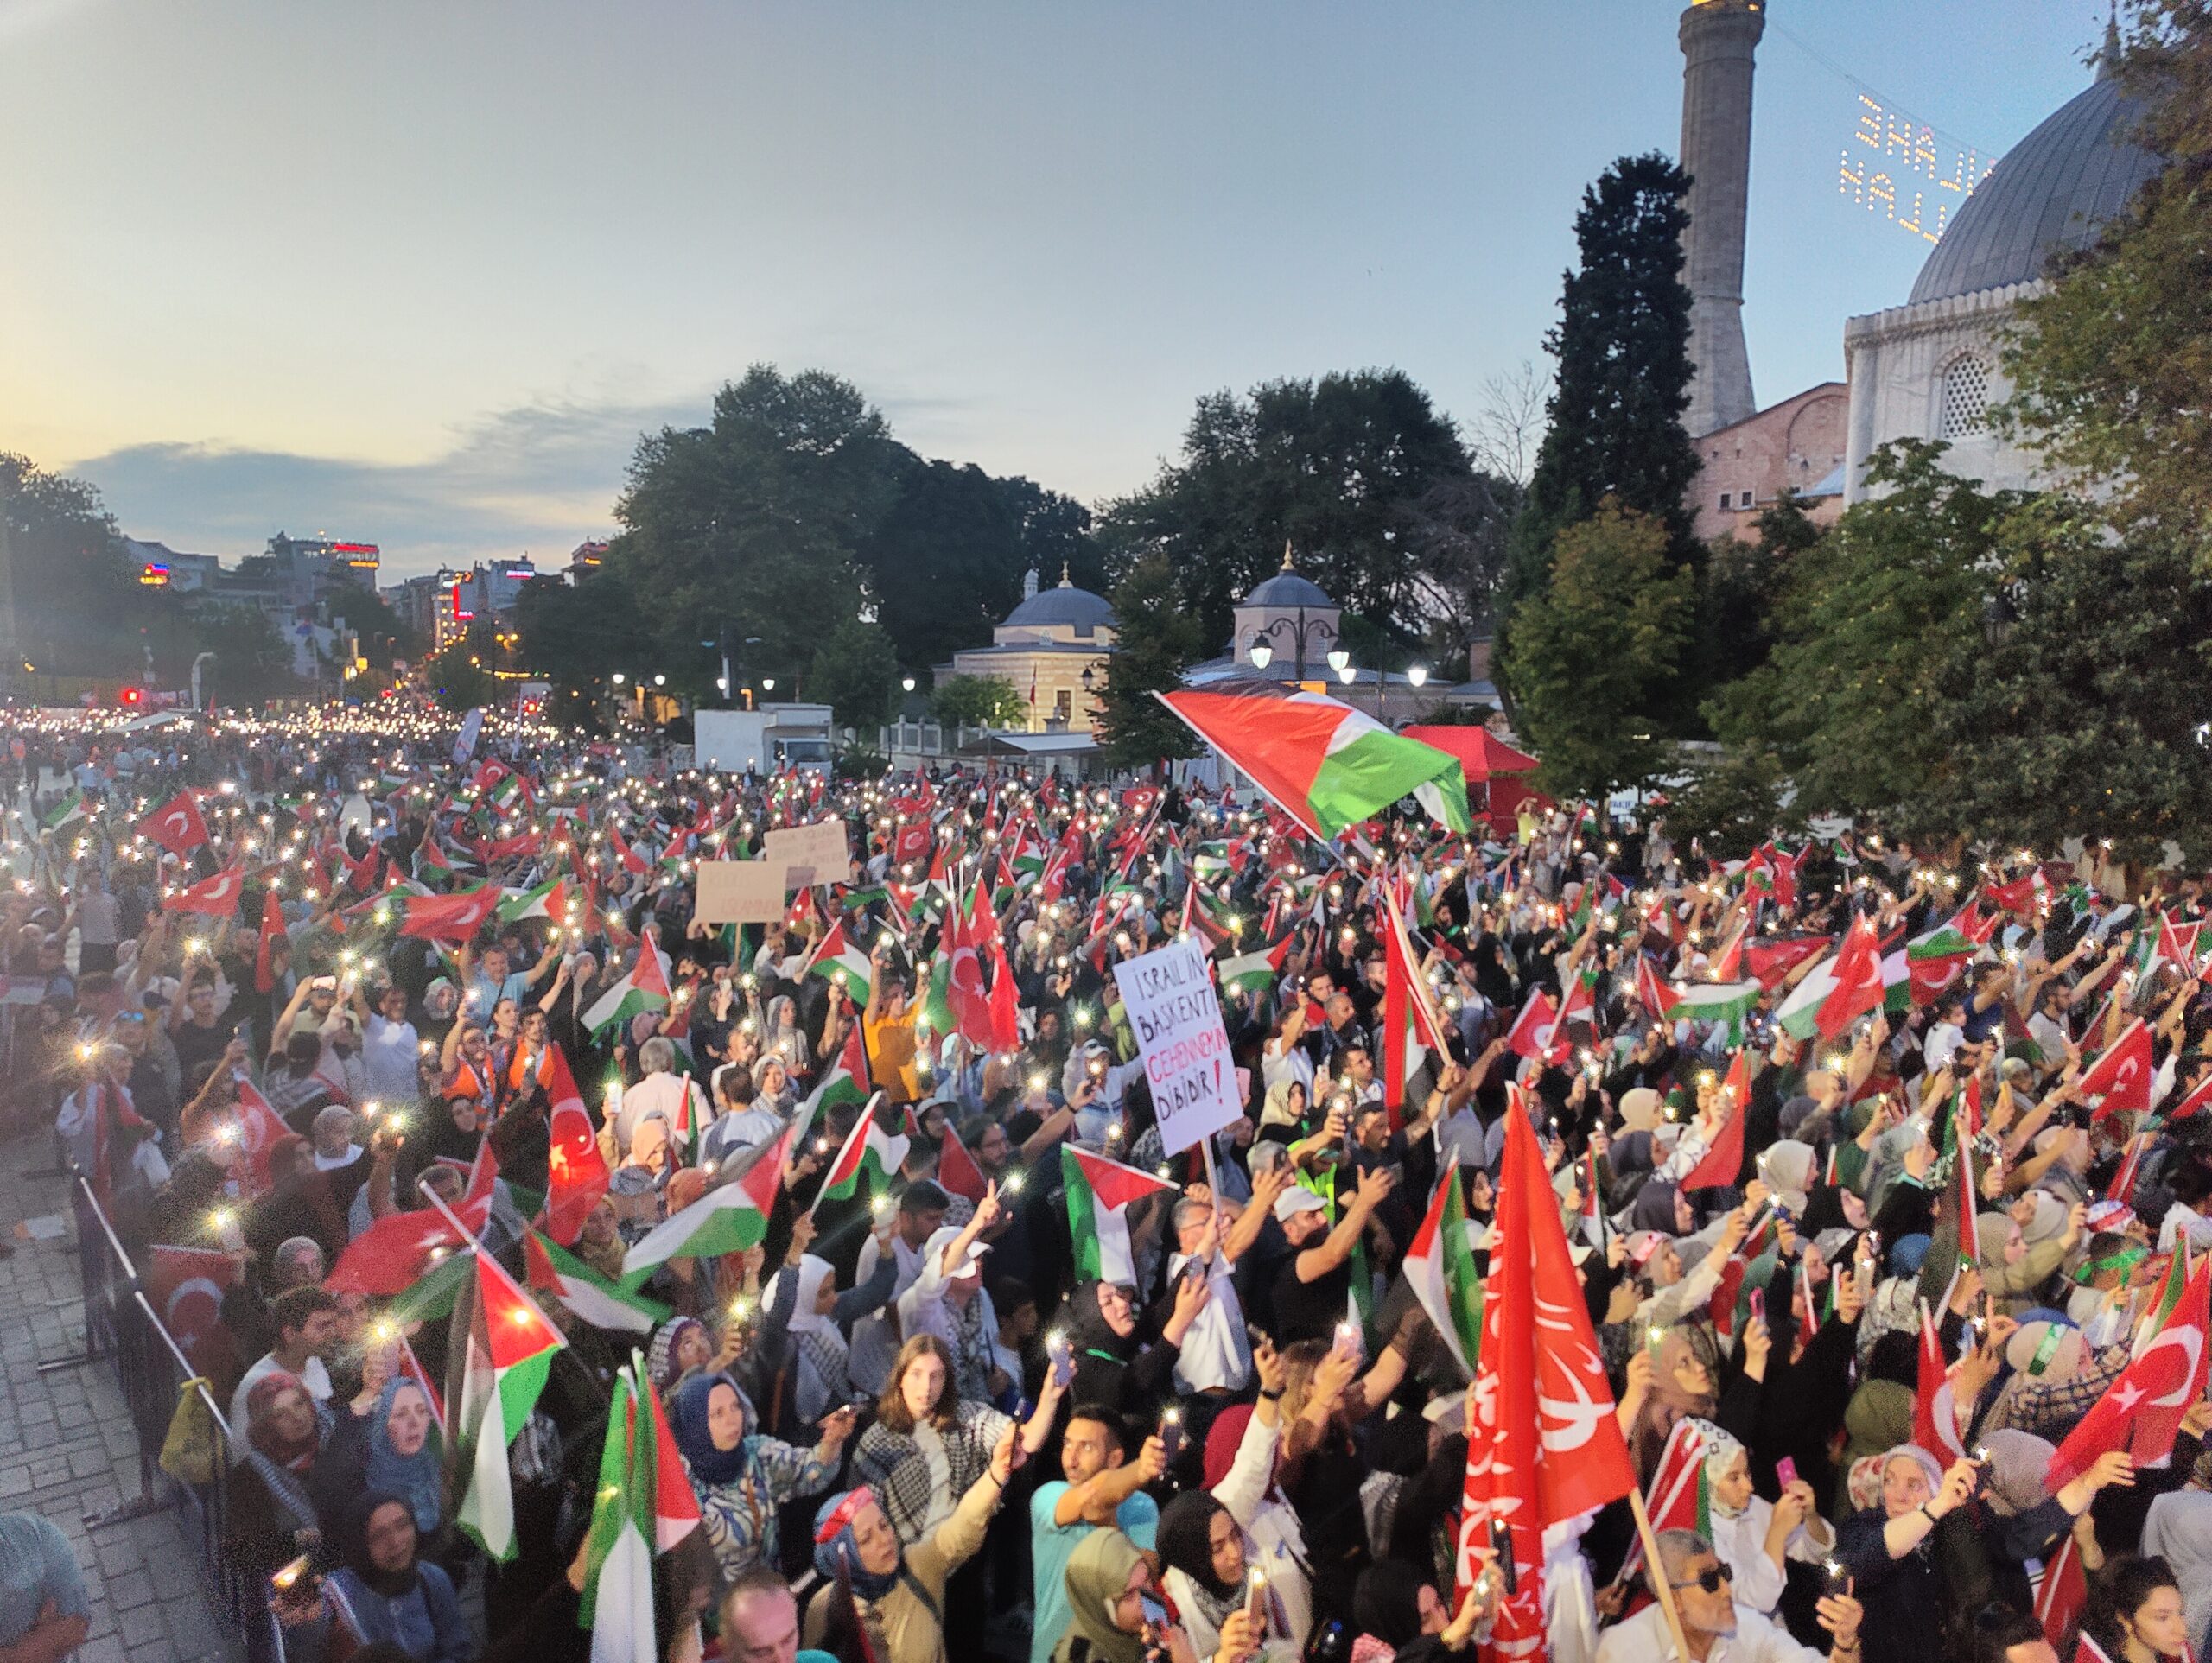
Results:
x,y
1709,1579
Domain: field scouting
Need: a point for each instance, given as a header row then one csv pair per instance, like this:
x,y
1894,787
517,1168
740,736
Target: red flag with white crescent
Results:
x,y
176,825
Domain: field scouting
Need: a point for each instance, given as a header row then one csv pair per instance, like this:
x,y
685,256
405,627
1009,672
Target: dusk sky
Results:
x,y
420,273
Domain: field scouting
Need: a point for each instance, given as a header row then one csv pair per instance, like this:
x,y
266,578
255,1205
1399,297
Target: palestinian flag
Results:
x,y
1099,1192
549,900
1209,862
1441,1268
66,812
511,1347
1327,765
2167,1300
644,1506
839,960
553,1269
646,989
1725,1003
1254,973
1411,1022
728,1218
867,1148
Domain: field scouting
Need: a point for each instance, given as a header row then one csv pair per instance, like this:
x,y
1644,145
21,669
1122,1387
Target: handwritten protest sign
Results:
x,y
1173,1011
740,891
811,855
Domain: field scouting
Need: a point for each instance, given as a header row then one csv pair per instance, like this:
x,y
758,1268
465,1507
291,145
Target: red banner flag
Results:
x,y
1545,1445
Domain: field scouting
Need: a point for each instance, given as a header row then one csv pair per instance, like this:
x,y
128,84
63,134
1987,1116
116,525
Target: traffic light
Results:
x,y
131,697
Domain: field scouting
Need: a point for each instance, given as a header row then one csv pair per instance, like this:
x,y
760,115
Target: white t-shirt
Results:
x,y
389,1051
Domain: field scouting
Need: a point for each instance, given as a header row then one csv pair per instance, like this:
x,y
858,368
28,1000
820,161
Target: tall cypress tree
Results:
x,y
1622,346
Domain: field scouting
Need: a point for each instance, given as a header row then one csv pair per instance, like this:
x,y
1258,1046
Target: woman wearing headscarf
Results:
x,y
391,1596
1205,1577
802,1308
1107,1580
784,1038
393,1448
1685,1384
898,1593
1924,1555
599,1243
1752,1535
679,1345
1401,1618
1113,1365
271,1517
740,1477
2013,1272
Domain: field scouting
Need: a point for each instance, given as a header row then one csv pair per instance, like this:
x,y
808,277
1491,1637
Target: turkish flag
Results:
x,y
957,1171
1532,1031
1934,1410
913,843
1006,1008
2141,1411
272,926
259,1127
392,1254
1772,958
185,1285
1724,1161
2122,1076
450,918
575,1172
1545,1446
176,825
1858,981
216,897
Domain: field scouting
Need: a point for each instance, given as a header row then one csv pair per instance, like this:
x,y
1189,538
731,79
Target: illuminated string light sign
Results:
x,y
1912,179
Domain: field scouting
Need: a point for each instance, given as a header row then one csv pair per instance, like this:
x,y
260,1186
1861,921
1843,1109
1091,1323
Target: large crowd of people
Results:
x,y
1882,1169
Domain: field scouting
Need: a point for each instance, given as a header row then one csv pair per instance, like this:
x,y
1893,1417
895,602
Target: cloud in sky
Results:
x,y
540,477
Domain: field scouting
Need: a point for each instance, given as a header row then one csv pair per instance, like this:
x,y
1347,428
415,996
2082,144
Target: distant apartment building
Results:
x,y
441,606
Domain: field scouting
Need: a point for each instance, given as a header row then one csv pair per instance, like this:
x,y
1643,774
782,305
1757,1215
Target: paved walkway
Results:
x,y
66,1446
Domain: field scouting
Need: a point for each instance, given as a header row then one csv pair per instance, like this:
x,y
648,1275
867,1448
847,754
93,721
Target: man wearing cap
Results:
x,y
947,1298
1311,1290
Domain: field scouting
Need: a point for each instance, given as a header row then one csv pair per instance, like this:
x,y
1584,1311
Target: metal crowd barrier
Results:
x,y
122,1329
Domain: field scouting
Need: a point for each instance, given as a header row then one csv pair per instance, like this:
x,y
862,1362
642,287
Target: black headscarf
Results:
x,y
1386,1602
1102,1356
1185,1539
353,1544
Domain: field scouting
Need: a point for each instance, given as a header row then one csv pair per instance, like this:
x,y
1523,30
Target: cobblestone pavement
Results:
x,y
66,1446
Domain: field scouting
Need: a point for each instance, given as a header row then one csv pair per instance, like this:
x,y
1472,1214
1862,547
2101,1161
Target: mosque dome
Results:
x,y
1065,606
1286,588
2049,195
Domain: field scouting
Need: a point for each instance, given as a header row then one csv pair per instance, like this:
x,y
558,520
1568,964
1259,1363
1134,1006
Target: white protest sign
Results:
x,y
1173,1011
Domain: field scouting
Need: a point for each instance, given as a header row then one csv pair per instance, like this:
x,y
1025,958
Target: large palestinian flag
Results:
x,y
1327,765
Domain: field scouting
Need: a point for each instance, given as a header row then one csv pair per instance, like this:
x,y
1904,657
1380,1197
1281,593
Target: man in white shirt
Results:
x,y
674,1097
306,1320
1215,1354
390,1048
1717,1629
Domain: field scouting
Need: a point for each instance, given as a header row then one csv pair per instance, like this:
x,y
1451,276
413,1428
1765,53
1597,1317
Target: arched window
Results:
x,y
1963,412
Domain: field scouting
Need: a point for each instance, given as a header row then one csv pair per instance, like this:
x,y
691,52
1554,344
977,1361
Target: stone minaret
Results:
x,y
1718,38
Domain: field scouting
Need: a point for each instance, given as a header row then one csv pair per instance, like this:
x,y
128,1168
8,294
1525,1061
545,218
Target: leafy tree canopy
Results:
x,y
1159,638
1344,469
1595,655
979,701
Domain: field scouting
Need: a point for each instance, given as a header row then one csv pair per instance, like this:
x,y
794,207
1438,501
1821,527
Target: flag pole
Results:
x,y
1660,1585
483,1252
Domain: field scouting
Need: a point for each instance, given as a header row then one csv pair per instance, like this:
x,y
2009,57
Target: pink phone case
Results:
x,y
1786,1470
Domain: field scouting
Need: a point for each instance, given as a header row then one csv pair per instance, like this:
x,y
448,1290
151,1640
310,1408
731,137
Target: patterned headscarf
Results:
x,y
834,1544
